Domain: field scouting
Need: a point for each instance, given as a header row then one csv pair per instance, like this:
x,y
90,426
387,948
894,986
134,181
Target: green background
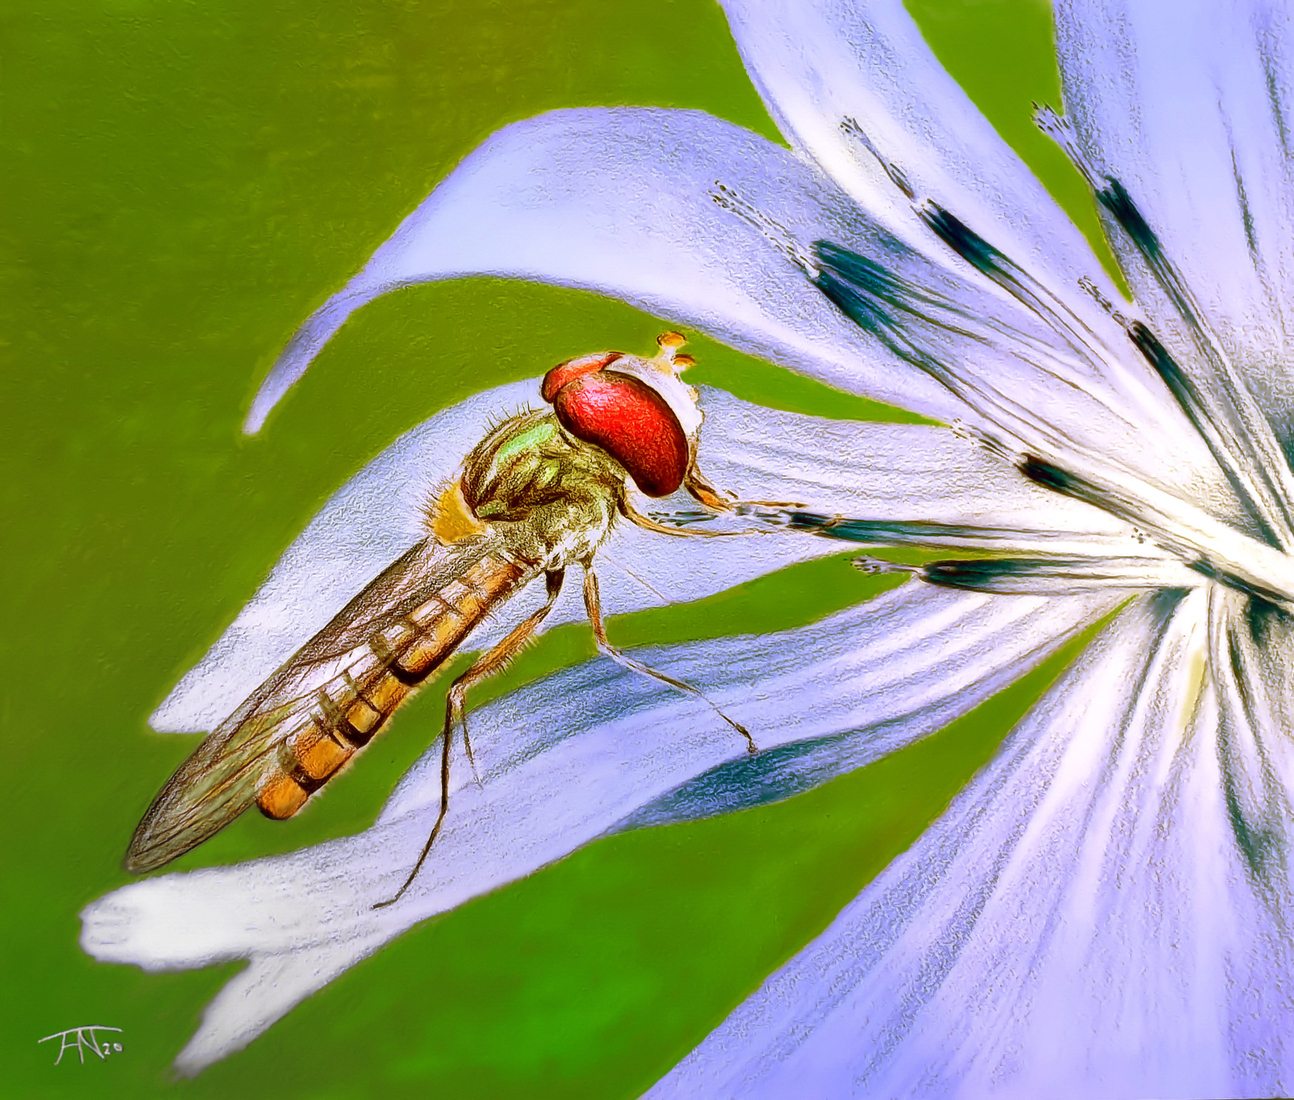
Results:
x,y
182,184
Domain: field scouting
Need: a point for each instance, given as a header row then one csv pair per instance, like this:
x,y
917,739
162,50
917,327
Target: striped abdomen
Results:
x,y
352,706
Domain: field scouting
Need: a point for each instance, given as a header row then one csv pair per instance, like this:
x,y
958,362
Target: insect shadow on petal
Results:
x,y
538,494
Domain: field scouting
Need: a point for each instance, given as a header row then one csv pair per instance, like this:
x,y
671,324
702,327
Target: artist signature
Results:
x,y
81,1038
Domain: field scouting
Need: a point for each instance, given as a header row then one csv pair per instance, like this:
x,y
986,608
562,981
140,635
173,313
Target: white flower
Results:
x,y
1105,910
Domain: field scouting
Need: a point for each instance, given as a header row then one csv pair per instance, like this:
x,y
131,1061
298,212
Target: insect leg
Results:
x,y
699,486
593,605
681,523
648,524
494,660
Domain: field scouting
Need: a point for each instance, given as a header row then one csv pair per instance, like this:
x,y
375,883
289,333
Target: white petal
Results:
x,y
1047,575
829,69
906,474
1190,106
715,227
555,776
910,483
1033,377
1252,655
821,63
1082,922
623,202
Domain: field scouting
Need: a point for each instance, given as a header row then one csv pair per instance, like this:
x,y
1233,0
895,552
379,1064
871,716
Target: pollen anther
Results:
x,y
773,231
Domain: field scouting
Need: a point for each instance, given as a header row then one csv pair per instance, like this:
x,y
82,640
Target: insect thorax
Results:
x,y
551,496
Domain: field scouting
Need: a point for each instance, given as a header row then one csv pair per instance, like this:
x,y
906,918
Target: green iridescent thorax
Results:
x,y
552,494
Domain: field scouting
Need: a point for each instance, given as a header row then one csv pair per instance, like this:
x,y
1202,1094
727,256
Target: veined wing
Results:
x,y
308,719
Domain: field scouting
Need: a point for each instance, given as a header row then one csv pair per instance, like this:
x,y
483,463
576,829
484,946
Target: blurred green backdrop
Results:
x,y
183,183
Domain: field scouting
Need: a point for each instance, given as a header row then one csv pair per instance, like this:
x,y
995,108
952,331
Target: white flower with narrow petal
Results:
x,y
1105,910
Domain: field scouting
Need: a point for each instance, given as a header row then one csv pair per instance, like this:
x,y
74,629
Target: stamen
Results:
x,y
1058,575
1207,545
1229,425
885,305
1216,432
1062,133
851,127
1228,399
1095,293
898,533
928,534
1241,437
873,298
876,567
772,230
1035,296
896,312
963,240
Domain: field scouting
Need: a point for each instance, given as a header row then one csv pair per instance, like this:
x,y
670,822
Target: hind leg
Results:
x,y
494,660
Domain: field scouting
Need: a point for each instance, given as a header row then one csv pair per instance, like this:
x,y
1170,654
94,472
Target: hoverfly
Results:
x,y
538,494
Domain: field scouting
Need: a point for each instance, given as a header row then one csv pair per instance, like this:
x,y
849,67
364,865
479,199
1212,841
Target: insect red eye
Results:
x,y
572,369
630,421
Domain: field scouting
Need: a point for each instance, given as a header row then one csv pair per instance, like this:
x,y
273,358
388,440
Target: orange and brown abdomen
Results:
x,y
354,705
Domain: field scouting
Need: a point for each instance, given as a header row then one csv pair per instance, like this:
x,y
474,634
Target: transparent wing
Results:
x,y
220,780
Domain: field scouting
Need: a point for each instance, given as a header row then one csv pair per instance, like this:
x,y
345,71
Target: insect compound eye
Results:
x,y
629,420
567,372
637,410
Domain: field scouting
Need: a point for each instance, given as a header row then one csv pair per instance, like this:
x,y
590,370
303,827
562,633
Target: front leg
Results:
x,y
647,523
700,488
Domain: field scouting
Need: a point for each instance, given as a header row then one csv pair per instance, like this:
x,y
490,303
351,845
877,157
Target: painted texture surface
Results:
x,y
184,186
